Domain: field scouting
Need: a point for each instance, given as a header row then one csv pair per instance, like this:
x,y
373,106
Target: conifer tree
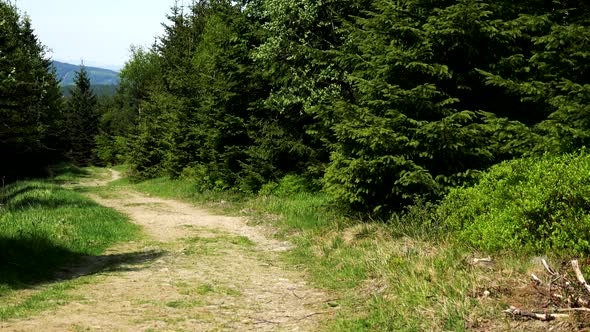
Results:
x,y
547,69
298,58
420,120
139,78
82,120
388,100
30,101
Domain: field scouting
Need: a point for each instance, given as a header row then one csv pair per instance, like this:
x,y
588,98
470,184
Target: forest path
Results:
x,y
206,273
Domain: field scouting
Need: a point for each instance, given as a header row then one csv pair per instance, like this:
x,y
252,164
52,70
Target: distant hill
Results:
x,y
98,76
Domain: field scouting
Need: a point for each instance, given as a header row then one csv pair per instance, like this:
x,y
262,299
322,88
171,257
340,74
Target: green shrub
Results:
x,y
535,205
203,178
288,185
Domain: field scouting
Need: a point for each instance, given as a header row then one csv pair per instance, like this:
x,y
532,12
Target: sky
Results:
x,y
99,32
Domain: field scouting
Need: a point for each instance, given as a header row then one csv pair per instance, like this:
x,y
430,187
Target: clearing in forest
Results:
x,y
191,271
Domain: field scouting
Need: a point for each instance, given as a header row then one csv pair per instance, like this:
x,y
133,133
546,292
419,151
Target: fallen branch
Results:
x,y
297,296
315,314
528,314
482,260
536,279
579,274
574,309
263,321
560,292
321,301
547,267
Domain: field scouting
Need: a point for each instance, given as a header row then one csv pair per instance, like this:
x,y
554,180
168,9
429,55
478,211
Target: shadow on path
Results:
x,y
27,262
35,237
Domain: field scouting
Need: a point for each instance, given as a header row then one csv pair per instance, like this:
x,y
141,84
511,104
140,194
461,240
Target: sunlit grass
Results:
x,y
44,227
394,276
15,305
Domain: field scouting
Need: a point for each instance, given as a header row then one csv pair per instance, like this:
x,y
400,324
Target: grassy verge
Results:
x,y
67,173
42,228
386,277
382,280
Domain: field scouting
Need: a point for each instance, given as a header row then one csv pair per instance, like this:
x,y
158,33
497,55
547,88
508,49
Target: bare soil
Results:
x,y
192,271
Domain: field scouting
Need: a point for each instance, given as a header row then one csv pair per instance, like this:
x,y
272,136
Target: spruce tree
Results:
x,y
546,70
30,101
298,58
415,126
82,120
139,78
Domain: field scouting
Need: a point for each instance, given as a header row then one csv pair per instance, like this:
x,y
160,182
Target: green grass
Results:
x,y
44,227
15,305
209,246
380,281
394,276
185,304
68,173
185,190
206,289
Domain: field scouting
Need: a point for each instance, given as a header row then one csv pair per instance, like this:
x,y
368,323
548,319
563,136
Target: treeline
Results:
x,y
38,126
30,100
377,101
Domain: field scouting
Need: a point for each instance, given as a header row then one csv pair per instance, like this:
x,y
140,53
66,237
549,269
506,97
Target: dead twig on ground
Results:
x,y
547,267
529,314
315,314
297,296
564,295
265,321
582,309
579,275
482,260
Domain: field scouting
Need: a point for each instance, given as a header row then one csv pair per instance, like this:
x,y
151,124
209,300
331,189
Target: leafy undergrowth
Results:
x,y
42,228
535,204
397,276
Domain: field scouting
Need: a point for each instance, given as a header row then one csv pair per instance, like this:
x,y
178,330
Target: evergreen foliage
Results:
x,y
82,120
30,101
546,68
383,101
120,115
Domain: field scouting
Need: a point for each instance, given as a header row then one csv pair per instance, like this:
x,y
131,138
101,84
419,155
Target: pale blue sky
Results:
x,y
97,31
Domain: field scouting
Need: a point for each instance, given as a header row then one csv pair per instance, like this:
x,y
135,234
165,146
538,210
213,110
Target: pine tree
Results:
x,y
160,145
387,99
201,113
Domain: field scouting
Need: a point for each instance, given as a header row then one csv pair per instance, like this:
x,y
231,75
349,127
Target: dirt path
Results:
x,y
193,272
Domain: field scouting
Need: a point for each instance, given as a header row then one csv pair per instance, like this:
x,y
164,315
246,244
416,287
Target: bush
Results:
x,y
534,205
288,185
203,178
